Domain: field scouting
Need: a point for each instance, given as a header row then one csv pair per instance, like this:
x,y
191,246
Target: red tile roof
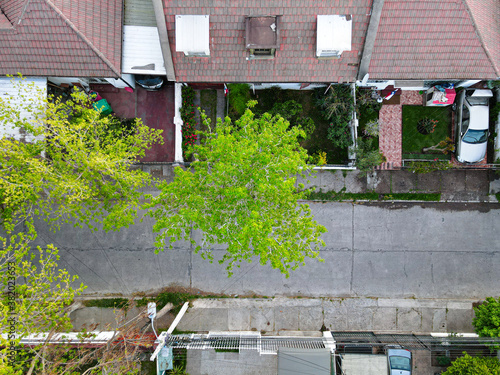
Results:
x,y
295,60
433,39
486,14
77,38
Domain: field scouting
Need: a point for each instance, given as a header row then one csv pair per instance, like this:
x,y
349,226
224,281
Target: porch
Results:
x,y
155,108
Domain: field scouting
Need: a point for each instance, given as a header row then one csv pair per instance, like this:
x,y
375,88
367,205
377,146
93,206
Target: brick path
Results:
x,y
391,127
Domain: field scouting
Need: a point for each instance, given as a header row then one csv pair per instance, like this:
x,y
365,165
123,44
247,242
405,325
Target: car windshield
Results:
x,y
475,136
477,101
400,363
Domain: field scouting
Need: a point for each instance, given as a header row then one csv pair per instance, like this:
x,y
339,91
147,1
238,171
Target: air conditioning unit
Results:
x,y
334,35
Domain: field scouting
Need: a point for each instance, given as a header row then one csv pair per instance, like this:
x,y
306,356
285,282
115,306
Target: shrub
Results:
x,y
426,125
293,113
422,167
468,365
338,106
188,117
487,320
319,158
371,128
367,157
239,95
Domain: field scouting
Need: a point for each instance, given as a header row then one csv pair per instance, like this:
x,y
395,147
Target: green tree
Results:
x,y
241,191
71,157
487,318
468,365
67,162
36,292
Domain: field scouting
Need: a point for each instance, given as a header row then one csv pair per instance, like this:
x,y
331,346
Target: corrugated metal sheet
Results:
x,y
300,361
142,51
139,13
11,89
192,34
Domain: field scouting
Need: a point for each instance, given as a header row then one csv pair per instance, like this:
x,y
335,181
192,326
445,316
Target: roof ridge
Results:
x,y
85,39
478,33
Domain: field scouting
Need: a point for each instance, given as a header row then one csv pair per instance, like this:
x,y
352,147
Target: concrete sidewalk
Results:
x,y
455,185
282,315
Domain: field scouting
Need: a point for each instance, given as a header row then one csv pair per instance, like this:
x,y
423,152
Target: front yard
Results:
x,y
323,113
414,141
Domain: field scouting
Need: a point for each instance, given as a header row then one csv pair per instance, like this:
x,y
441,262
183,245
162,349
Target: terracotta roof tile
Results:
x,y
486,15
295,59
62,38
430,40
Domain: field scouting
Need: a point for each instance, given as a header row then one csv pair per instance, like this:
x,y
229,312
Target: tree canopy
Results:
x,y
242,191
59,160
72,158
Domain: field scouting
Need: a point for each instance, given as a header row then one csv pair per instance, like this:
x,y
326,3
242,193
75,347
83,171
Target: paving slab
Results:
x,y
354,183
262,319
239,319
429,182
439,323
330,180
384,319
409,320
204,320
477,180
380,182
403,181
286,318
453,181
459,320
310,318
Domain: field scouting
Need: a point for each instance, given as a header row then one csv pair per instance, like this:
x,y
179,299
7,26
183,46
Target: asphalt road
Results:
x,y
432,250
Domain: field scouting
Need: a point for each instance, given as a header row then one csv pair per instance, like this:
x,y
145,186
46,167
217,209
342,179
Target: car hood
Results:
x,y
470,153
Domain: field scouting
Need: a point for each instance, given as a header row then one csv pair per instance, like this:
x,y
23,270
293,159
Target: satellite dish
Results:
x,y
365,79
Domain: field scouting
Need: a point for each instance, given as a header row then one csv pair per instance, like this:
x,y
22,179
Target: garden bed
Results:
x,y
318,140
302,107
414,141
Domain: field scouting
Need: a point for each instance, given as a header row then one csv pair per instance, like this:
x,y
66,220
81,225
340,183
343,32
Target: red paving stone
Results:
x,y
391,127
155,108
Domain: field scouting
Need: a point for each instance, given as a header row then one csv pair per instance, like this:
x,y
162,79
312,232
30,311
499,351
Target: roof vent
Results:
x,y
334,35
262,35
192,35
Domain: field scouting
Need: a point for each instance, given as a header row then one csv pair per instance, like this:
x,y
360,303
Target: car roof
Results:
x,y
479,117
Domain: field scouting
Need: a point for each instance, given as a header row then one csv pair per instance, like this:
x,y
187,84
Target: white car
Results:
x,y
471,125
399,361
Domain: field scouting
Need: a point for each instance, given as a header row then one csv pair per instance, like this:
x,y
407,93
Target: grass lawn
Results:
x,y
414,141
318,140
